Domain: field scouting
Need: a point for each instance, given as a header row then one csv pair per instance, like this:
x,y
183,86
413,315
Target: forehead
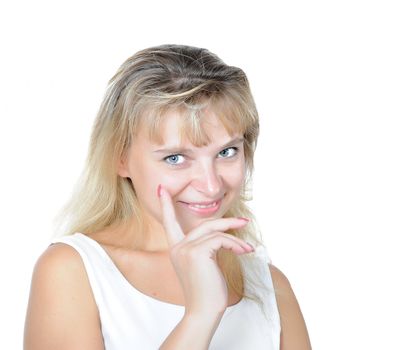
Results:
x,y
179,129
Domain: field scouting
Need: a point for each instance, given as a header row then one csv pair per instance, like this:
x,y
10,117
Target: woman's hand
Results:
x,y
194,258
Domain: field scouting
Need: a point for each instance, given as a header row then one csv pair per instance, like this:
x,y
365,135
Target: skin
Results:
x,y
61,298
206,174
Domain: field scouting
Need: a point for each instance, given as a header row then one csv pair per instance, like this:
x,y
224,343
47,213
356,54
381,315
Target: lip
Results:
x,y
202,203
203,211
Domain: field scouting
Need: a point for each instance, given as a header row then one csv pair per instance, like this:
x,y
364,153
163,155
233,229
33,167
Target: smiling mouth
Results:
x,y
212,205
204,209
204,204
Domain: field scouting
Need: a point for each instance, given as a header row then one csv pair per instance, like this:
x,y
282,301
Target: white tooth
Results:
x,y
204,206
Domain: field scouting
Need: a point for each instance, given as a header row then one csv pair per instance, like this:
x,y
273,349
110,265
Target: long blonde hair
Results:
x,y
146,86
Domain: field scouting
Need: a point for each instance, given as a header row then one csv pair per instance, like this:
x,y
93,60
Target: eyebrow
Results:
x,y
186,150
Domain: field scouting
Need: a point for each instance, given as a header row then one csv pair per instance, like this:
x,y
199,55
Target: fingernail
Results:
x,y
159,190
245,219
250,245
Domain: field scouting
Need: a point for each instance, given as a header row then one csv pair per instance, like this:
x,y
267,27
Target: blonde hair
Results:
x,y
146,86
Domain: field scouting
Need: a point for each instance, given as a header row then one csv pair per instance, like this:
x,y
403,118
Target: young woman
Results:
x,y
157,244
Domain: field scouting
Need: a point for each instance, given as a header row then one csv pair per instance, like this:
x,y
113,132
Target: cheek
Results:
x,y
174,182
146,180
234,177
146,185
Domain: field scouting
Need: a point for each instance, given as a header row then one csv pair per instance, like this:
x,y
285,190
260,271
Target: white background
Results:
x,y
336,183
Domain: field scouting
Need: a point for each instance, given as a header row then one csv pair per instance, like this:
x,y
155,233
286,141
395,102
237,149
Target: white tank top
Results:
x,y
132,320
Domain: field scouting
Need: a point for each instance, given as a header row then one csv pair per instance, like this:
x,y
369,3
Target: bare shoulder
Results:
x,y
281,282
294,334
59,256
60,300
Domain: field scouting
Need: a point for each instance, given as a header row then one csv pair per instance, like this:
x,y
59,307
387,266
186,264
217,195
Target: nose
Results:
x,y
209,182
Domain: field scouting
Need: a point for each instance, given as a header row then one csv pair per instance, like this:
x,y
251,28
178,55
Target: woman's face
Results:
x,y
210,174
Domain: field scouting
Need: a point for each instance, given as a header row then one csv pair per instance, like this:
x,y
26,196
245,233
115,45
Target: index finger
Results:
x,y
173,230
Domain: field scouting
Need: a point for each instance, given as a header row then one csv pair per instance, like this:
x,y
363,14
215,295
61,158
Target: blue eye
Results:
x,y
171,157
230,148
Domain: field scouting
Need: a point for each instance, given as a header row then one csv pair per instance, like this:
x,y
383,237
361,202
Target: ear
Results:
x,y
122,166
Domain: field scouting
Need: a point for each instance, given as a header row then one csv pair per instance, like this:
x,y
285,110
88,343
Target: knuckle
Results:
x,y
185,252
216,234
175,250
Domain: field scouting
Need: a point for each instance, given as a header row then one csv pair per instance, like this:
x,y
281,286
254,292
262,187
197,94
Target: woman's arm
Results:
x,y
61,313
294,334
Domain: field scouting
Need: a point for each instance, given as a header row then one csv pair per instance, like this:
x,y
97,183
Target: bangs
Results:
x,y
230,111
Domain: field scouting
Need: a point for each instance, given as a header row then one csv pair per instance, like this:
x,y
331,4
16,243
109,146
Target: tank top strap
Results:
x,y
260,267
262,253
99,270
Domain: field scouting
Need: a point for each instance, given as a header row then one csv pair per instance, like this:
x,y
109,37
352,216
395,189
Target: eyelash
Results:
x,y
236,149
